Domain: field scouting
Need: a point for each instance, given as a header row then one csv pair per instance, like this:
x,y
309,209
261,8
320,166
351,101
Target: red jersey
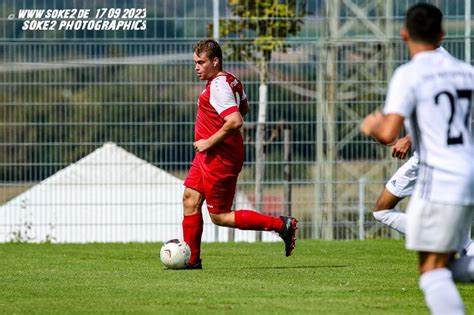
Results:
x,y
222,96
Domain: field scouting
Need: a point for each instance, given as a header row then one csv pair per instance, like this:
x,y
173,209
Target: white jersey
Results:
x,y
434,92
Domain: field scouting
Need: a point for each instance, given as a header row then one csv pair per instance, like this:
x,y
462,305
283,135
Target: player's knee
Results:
x,y
430,261
376,215
217,219
220,219
191,200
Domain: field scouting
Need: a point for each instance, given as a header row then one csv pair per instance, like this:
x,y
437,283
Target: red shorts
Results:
x,y
216,179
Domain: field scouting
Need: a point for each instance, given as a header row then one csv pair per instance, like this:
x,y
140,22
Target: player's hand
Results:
x,y
370,122
401,147
201,145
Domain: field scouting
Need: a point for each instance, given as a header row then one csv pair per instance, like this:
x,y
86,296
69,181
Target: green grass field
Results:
x,y
343,277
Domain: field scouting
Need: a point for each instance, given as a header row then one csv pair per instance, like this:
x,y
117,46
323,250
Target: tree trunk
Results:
x,y
260,141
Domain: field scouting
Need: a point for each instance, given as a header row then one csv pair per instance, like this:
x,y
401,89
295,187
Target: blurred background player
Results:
x,y
434,93
401,185
219,158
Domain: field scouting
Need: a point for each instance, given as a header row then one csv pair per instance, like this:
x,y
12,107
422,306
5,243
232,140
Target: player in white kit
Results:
x,y
401,185
433,95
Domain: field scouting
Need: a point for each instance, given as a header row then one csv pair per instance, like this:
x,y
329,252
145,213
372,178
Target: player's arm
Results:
x,y
384,128
399,104
401,147
232,124
244,108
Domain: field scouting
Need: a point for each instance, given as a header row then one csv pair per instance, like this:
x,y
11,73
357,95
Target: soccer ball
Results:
x,y
175,254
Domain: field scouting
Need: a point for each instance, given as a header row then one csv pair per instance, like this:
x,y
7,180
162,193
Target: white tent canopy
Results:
x,y
108,196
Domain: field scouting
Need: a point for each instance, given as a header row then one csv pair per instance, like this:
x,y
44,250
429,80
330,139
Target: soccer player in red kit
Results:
x,y
219,158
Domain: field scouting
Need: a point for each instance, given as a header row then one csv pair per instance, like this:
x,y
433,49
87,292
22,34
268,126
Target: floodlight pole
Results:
x,y
215,19
330,121
335,89
325,207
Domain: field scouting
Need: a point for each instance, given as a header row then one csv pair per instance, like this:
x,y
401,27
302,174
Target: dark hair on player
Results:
x,y
210,47
423,22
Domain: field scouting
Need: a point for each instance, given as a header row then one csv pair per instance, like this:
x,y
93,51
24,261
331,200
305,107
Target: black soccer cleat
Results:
x,y
197,265
288,234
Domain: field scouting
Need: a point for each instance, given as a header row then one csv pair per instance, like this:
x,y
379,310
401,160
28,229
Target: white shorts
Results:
x,y
402,183
437,227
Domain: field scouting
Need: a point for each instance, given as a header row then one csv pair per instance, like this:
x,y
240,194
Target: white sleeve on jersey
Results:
x,y
401,98
222,97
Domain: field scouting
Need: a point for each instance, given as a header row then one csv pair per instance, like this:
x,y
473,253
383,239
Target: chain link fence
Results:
x,y
66,93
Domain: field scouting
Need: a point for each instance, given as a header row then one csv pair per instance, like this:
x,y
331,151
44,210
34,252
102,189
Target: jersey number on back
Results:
x,y
454,103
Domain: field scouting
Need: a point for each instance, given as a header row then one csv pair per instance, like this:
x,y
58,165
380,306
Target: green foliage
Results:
x,y
350,277
23,232
261,27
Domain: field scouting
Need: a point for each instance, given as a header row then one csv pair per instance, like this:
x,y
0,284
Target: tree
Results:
x,y
260,28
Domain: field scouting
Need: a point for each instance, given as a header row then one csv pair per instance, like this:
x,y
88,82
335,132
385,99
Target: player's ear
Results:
x,y
215,61
404,34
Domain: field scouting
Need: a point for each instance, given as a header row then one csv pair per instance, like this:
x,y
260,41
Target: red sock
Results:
x,y
192,233
251,220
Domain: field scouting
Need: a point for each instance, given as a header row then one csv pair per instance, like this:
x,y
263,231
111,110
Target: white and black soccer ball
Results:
x,y
175,254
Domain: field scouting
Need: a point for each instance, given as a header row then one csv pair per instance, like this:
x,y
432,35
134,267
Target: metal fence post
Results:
x,y
362,182
287,169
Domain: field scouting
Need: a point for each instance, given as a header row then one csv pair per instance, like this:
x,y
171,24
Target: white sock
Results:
x,y
393,218
469,244
441,294
469,247
463,269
